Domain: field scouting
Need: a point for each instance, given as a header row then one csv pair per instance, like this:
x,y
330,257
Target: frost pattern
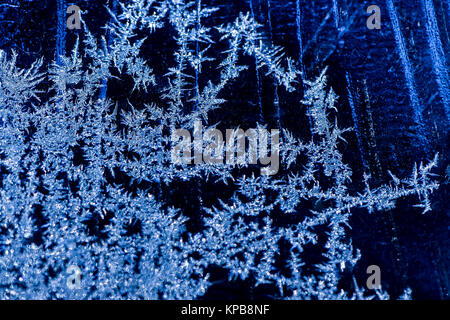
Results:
x,y
57,211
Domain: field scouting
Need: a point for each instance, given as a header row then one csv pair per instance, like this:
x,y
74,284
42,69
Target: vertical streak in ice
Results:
x,y
258,76
277,99
300,49
410,82
371,136
197,51
299,34
60,30
336,13
352,103
437,54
